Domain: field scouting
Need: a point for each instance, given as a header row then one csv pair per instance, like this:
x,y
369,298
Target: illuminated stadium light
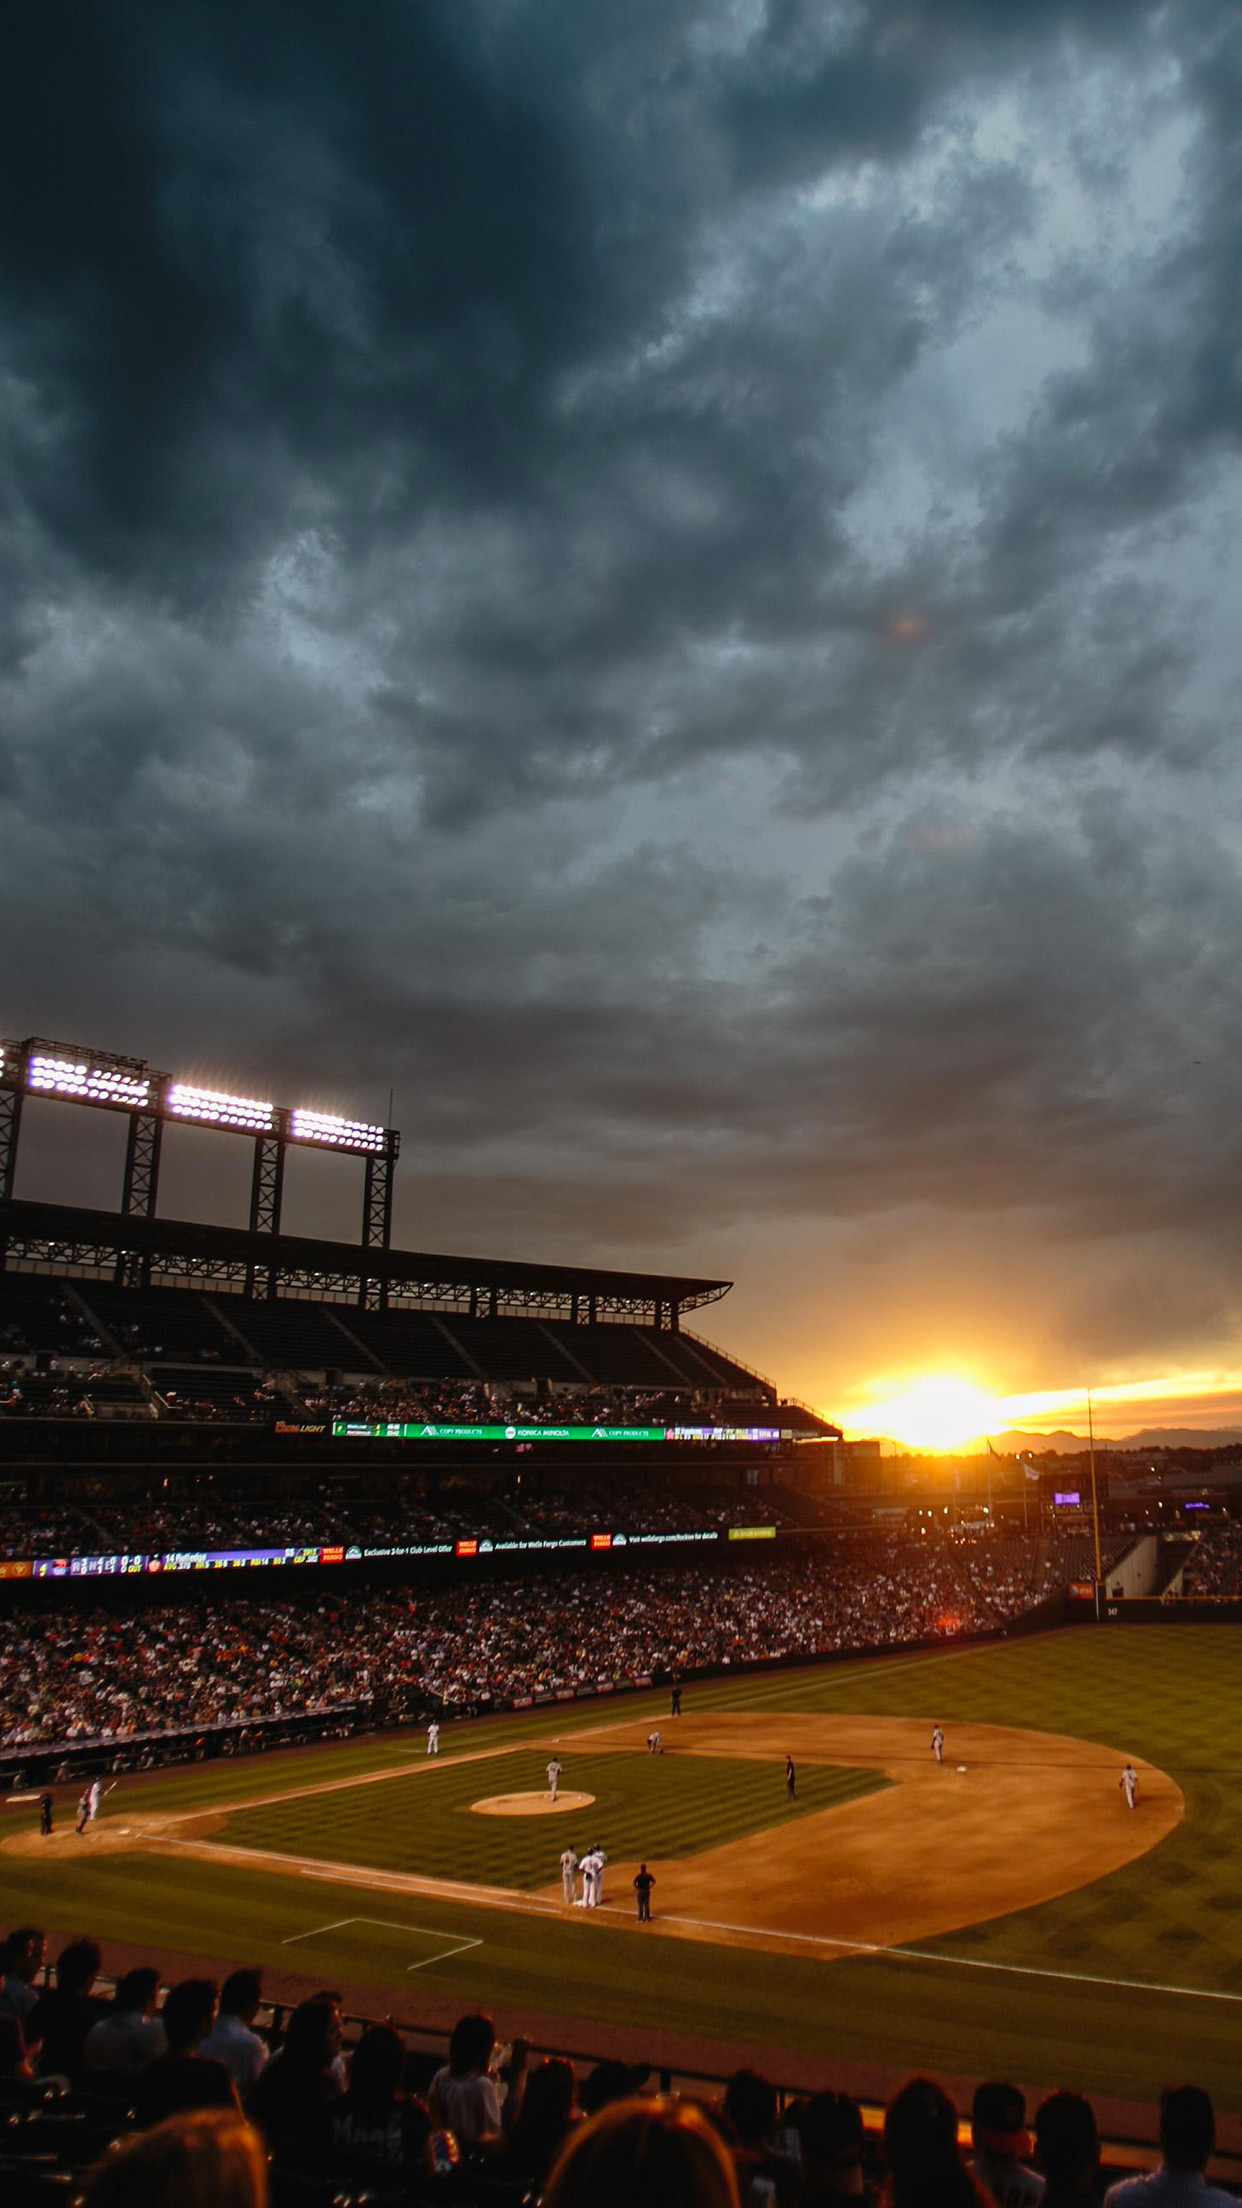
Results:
x,y
91,1084
215,1108
335,1133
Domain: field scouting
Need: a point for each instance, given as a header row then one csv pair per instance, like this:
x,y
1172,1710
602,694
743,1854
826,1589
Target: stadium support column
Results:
x,y
140,1188
13,1071
267,1187
377,1218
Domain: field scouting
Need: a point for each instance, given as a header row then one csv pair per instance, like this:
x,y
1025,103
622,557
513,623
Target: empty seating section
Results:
x,y
722,1370
298,1337
162,1327
39,1315
617,1355
409,1344
220,1384
158,1322
513,1349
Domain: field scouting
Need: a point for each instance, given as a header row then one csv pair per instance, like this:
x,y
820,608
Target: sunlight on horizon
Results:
x,y
948,1411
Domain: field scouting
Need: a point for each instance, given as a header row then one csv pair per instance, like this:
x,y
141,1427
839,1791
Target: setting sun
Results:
x,y
936,1413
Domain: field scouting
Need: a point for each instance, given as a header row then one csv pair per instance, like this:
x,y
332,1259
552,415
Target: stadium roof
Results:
x,y
70,1239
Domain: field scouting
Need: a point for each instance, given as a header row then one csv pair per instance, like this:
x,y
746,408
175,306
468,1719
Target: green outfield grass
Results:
x,y
655,1806
1114,1988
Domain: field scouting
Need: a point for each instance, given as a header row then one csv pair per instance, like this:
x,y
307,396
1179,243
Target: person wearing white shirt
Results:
x,y
1187,2137
131,2035
231,2040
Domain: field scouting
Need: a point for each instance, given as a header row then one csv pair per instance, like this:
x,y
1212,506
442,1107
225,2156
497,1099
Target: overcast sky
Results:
x,y
664,580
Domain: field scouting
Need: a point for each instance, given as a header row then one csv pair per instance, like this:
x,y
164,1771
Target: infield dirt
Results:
x,y
1033,1816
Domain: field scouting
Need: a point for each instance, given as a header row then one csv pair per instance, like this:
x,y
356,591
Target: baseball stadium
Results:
x,y
376,1619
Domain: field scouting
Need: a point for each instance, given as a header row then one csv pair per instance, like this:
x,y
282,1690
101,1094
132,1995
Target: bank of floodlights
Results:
x,y
335,1133
252,1115
104,1081
72,1074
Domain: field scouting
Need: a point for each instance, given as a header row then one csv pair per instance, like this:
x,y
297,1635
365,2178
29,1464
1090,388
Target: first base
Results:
x,y
961,1767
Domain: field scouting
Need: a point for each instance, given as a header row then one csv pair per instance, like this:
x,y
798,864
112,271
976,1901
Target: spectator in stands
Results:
x,y
13,2059
752,2105
292,2099
1187,2137
644,2154
231,2039
925,2168
463,2097
25,1951
999,2136
378,2130
210,2159
612,2081
62,2016
131,2035
547,2116
182,2079
1068,2144
830,2128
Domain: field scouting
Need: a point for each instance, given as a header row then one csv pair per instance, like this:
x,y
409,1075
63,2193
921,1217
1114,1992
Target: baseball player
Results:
x,y
554,1776
653,1745
938,1743
791,1778
599,1858
643,1882
88,1804
433,1737
45,1814
675,1699
569,1875
1128,1782
589,1868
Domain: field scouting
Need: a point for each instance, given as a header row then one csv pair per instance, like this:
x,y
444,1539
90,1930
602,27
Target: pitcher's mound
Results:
x,y
530,1805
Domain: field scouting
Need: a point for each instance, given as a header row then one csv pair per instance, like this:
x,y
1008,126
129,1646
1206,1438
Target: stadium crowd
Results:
x,y
191,2101
78,1675
376,1515
1214,1566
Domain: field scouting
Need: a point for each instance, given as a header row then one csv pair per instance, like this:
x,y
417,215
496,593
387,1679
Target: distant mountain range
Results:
x,y
1151,1437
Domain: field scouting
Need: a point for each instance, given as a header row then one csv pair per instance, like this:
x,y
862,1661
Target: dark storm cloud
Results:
x,y
534,566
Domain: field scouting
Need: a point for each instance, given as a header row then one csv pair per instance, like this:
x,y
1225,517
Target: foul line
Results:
x,y
960,1962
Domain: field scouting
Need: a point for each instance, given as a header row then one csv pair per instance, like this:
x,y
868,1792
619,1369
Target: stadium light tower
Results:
x,y
70,1074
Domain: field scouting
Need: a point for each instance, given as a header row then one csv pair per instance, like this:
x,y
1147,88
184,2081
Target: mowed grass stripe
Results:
x,y
661,1807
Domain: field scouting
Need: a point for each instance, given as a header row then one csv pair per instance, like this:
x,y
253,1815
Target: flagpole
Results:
x,y
1095,1502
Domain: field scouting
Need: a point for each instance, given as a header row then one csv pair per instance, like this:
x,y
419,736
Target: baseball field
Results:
x,y
1003,1912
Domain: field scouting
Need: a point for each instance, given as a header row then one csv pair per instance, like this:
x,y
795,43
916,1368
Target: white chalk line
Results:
x,y
959,1962
389,1924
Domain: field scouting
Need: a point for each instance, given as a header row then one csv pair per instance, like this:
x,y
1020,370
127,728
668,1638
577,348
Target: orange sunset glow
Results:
x,y
943,1411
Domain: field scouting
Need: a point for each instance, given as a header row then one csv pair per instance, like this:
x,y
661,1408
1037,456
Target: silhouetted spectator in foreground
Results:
x,y
925,2167
1068,2145
548,2114
1187,2137
752,2105
62,2017
830,2127
644,2154
292,2099
611,2081
463,2097
999,2138
377,2128
183,2080
209,2159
